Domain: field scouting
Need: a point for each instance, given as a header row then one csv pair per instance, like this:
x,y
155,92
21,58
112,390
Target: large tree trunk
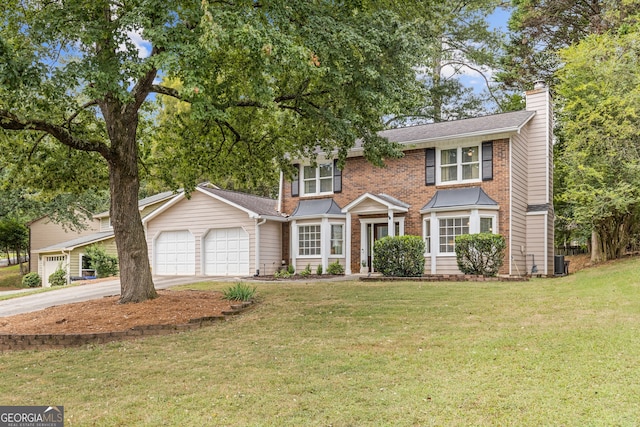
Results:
x,y
136,282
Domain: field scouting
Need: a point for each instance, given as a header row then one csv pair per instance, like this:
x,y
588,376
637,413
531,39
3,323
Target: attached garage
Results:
x,y
50,265
226,252
174,253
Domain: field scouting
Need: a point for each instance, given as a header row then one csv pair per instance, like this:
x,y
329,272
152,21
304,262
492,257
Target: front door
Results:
x,y
374,233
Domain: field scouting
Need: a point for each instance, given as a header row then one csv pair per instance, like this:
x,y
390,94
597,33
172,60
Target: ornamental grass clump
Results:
x,y
239,292
399,256
481,254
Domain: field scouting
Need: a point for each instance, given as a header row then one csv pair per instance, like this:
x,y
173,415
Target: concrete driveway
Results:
x,y
34,302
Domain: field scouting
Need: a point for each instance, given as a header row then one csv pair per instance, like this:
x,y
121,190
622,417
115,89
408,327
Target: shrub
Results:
x,y
239,292
32,280
481,254
104,264
335,268
59,277
291,269
399,256
306,272
319,270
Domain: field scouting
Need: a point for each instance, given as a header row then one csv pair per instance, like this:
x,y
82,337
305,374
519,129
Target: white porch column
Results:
x,y
347,245
391,225
294,242
325,239
435,242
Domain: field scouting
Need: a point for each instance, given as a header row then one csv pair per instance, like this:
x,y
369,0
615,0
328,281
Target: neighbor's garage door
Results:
x,y
50,265
175,253
226,252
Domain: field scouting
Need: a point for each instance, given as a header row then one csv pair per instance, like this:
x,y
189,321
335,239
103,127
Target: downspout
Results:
x,y
258,224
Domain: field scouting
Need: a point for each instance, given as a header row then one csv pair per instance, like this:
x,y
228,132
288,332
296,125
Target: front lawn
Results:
x,y
10,277
545,352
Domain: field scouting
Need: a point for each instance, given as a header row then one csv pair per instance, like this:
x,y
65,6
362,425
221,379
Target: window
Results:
x,y
460,164
427,236
318,180
449,229
337,239
309,238
486,224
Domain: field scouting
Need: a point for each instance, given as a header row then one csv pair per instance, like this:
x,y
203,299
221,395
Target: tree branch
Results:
x,y
10,121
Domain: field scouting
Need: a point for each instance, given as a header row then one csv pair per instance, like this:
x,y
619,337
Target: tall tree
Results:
x,y
599,95
538,29
264,80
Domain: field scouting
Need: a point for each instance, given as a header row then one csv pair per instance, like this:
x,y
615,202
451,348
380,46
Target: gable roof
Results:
x,y
253,206
383,199
317,207
143,203
70,245
459,198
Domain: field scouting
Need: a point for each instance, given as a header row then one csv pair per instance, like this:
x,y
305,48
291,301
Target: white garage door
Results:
x,y
226,252
50,265
175,253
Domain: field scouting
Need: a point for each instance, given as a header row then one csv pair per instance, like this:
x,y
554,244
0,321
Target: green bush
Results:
x,y
291,269
306,272
59,277
32,280
335,268
104,264
319,270
399,256
239,292
481,254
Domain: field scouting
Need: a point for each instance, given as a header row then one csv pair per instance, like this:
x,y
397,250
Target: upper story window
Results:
x,y
318,180
460,164
326,178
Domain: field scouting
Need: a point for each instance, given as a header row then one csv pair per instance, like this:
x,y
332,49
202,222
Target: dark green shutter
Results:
x,y
487,160
337,177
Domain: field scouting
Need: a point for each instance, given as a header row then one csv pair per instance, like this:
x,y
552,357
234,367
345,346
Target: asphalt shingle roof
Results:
x,y
262,206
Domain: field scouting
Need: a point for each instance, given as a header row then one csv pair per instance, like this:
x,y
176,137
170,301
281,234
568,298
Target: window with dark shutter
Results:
x,y
487,160
337,177
295,182
430,166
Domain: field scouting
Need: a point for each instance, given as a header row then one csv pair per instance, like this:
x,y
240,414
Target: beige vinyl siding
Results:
x,y
199,215
550,242
270,247
74,265
536,242
447,265
519,196
105,224
43,232
153,207
539,143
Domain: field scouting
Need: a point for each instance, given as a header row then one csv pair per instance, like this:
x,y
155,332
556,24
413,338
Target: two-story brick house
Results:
x,y
485,174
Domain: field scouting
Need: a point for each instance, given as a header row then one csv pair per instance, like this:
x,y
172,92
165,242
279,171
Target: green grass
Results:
x,y
10,277
546,352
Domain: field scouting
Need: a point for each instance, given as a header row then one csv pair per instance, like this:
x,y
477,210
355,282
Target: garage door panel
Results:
x,y
226,252
174,253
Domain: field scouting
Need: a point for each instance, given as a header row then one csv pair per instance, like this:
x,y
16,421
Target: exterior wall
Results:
x,y
519,203
536,242
43,232
202,213
301,262
105,225
404,179
74,263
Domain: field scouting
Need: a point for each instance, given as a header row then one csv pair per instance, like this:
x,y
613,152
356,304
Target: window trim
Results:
x,y
426,234
331,240
468,226
317,179
319,247
459,164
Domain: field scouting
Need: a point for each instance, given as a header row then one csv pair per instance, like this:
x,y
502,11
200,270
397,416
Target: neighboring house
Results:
x,y
215,232
487,174
68,252
43,232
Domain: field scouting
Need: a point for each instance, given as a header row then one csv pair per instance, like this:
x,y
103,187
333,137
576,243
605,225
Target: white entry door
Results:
x,y
175,254
226,252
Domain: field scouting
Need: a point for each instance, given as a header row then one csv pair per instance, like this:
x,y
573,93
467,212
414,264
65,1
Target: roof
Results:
x,y
459,198
77,242
317,207
489,126
384,200
142,203
261,206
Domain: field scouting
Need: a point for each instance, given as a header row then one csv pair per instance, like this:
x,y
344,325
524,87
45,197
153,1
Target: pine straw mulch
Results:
x,y
107,315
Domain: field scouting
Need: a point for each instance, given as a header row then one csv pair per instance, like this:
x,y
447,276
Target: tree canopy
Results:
x,y
262,80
